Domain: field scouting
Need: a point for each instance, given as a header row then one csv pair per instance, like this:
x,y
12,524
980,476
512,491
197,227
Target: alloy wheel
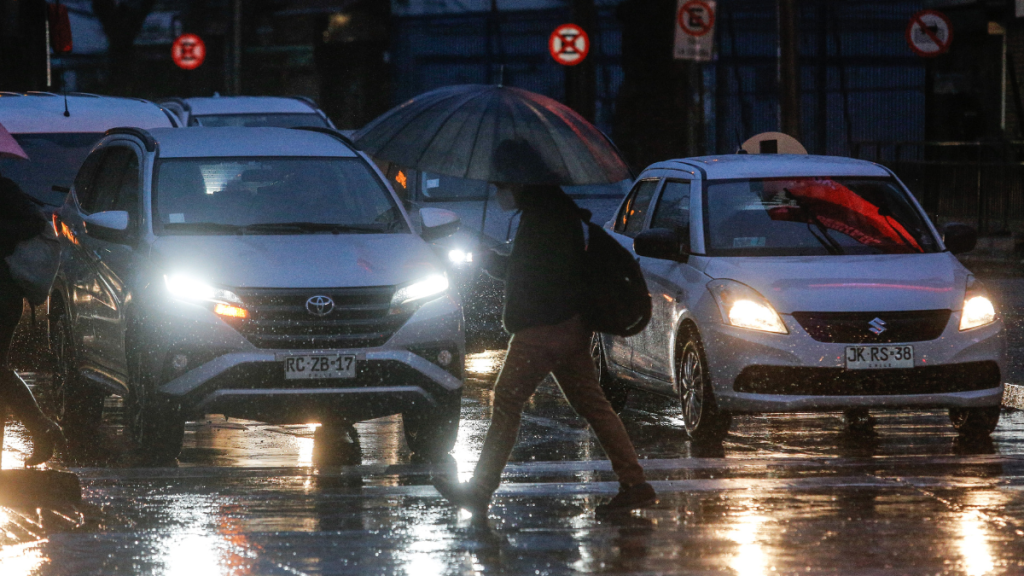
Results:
x,y
691,387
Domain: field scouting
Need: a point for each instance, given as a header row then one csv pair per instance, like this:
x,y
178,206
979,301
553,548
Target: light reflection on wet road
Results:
x,y
784,494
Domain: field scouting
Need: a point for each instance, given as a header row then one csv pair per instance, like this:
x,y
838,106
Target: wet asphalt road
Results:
x,y
783,494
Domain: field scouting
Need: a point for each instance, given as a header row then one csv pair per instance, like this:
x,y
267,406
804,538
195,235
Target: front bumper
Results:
x,y
754,372
226,374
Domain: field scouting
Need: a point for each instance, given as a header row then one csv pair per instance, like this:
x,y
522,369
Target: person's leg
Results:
x,y
527,363
577,377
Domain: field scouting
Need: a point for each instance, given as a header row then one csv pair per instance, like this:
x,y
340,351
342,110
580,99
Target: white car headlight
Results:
x,y
978,309
457,256
431,286
188,288
744,307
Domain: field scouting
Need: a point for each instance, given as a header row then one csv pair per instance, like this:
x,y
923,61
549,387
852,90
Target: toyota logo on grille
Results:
x,y
877,326
319,305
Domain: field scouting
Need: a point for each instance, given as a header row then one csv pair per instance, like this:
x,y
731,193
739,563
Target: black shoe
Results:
x,y
44,443
466,495
636,496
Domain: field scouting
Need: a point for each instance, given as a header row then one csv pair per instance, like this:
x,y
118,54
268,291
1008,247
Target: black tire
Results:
x,y
153,422
974,422
77,406
702,419
616,393
431,432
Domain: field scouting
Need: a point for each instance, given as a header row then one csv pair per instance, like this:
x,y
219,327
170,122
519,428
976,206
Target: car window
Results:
x,y
258,120
107,185
441,187
55,160
813,216
86,178
673,210
630,219
226,195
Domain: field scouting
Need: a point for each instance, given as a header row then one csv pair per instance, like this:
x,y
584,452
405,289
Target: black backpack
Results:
x,y
616,297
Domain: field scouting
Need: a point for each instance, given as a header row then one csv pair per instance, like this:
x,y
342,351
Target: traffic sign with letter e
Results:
x,y
695,30
569,44
188,51
929,33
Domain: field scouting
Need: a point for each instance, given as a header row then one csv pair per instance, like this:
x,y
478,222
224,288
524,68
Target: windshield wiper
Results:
x,y
826,239
203,227
312,227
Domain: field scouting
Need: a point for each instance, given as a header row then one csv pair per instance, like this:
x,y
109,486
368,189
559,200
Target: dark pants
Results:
x,y
533,353
14,393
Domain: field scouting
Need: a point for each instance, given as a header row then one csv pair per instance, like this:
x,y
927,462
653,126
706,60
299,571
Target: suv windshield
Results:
x,y
259,120
813,216
54,160
271,196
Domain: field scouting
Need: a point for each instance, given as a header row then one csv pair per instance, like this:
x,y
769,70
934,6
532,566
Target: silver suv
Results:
x,y
262,273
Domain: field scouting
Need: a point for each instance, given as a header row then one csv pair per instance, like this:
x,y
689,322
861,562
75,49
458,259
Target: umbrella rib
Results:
x,y
476,138
426,107
442,121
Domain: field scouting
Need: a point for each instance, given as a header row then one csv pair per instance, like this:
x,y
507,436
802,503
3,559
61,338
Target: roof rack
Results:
x,y
140,133
330,132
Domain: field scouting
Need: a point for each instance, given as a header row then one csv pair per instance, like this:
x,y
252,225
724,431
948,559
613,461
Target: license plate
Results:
x,y
879,357
315,366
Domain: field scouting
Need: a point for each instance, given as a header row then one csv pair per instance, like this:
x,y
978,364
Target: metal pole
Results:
x,y
236,65
789,70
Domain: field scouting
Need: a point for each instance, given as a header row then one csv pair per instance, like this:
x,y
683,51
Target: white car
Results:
x,y
248,111
786,283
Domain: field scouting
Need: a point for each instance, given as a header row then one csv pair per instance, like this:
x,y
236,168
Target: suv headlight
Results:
x,y
412,294
744,307
978,309
226,302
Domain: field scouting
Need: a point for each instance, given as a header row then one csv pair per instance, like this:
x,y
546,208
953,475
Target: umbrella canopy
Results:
x,y
456,131
9,147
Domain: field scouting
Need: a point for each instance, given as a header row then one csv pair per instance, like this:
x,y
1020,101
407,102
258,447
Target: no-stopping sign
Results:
x,y
569,44
929,33
188,51
696,17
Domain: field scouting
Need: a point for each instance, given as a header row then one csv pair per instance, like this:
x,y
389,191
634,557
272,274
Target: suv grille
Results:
x,y
855,327
279,318
807,381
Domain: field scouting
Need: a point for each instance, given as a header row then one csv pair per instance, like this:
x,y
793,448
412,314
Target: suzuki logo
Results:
x,y
877,326
319,305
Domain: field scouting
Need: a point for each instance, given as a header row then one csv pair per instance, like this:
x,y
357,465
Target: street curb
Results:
x,y
1013,396
33,487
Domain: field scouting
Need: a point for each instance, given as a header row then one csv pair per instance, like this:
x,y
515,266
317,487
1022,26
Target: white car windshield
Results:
x,y
813,216
259,120
54,160
272,196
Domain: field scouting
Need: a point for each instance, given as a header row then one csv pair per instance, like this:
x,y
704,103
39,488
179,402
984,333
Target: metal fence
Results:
x,y
979,182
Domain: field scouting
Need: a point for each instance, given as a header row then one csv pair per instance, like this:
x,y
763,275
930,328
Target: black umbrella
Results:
x,y
456,130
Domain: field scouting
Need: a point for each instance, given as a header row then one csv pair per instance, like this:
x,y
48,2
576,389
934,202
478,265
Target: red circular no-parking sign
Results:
x,y
929,33
696,18
188,51
569,44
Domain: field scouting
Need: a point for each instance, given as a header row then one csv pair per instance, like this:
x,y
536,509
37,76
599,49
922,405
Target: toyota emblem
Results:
x,y
319,305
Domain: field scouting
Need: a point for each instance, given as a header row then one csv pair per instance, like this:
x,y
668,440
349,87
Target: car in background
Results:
x,y
473,201
248,111
794,283
57,133
261,273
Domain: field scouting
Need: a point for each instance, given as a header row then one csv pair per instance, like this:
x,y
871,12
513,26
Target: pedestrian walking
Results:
x,y
544,291
20,220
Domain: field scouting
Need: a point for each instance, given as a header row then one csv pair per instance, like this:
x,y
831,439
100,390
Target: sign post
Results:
x,y
188,51
929,33
695,30
569,44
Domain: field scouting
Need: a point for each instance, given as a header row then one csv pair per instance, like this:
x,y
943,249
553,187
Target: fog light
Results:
x,y
444,358
179,362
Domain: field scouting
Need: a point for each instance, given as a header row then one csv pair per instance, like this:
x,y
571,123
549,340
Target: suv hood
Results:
x,y
850,283
298,261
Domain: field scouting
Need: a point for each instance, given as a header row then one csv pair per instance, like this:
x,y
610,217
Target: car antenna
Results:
x,y
64,85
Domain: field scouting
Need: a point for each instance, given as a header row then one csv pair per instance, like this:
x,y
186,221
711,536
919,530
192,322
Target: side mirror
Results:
x,y
438,223
663,244
959,238
111,226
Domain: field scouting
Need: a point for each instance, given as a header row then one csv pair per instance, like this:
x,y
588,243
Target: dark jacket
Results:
x,y
544,273
19,217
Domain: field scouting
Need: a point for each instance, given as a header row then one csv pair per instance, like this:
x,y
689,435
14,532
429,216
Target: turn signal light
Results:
x,y
230,311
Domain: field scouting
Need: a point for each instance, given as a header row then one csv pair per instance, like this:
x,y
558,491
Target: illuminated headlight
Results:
x,y
429,287
460,256
744,307
978,309
188,288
